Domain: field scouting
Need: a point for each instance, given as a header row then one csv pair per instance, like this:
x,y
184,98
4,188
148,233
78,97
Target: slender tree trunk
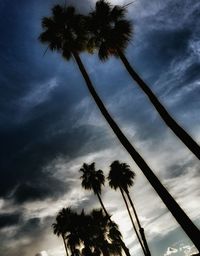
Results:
x,y
65,245
134,227
126,250
167,118
102,205
139,225
188,226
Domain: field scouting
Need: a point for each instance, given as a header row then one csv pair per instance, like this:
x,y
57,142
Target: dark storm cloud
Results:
x,y
31,192
31,230
159,45
192,73
34,133
28,146
26,166
28,227
163,35
189,76
162,48
9,219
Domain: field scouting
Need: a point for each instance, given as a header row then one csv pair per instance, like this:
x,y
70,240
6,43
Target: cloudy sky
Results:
x,y
50,126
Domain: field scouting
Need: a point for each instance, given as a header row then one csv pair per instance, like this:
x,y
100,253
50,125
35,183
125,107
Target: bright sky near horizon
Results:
x,y
50,126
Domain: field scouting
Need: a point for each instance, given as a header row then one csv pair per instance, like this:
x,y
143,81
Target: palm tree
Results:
x,y
105,234
94,180
89,234
121,177
60,226
110,34
65,32
69,223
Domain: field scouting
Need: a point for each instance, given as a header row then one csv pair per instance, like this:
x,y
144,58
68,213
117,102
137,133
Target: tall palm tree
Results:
x,y
110,34
65,32
122,177
94,180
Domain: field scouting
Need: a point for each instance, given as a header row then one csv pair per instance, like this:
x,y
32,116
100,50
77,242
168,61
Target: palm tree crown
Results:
x,y
108,29
64,31
62,223
92,179
120,176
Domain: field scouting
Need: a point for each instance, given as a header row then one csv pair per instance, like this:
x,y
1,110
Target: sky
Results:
x,y
50,125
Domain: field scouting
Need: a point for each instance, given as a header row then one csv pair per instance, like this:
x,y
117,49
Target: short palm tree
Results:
x,y
93,179
89,234
105,234
65,32
122,177
110,34
60,227
70,225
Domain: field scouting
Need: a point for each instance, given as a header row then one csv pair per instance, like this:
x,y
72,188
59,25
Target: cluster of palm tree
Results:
x,y
87,234
107,31
120,177
94,180
96,233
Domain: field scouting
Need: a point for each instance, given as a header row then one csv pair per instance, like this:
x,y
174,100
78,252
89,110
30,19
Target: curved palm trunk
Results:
x,y
139,225
188,226
65,245
134,227
167,118
126,250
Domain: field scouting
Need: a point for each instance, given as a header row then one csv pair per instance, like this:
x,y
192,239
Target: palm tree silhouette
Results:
x,y
105,234
94,180
122,177
69,223
60,226
65,32
110,34
89,234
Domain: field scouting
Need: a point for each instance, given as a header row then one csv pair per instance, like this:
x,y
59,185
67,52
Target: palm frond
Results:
x,y
108,29
103,53
92,179
64,31
47,23
103,7
117,13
